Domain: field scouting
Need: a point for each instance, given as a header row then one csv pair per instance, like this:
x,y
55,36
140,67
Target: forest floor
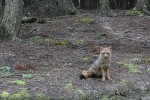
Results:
x,y
47,65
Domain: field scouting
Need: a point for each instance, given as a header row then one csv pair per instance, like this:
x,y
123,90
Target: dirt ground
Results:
x,y
62,47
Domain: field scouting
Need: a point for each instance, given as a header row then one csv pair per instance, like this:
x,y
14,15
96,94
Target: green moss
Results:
x,y
124,82
79,42
5,71
16,96
39,96
27,76
105,97
81,94
130,66
85,58
136,12
19,82
36,38
69,87
48,40
60,42
146,60
4,95
20,96
86,20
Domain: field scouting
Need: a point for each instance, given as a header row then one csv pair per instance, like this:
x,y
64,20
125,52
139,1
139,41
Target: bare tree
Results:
x,y
12,17
104,6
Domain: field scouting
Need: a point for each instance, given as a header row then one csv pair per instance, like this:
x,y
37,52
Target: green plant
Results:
x,y
48,40
69,87
20,96
79,42
4,95
124,82
105,97
130,66
146,60
39,96
60,42
86,20
5,71
16,96
27,76
19,82
136,11
85,58
36,39
24,89
81,94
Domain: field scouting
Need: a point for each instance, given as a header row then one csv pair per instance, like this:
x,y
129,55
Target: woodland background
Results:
x,y
45,44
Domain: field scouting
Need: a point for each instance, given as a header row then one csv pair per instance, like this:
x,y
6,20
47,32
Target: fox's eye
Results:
x,y
107,53
103,53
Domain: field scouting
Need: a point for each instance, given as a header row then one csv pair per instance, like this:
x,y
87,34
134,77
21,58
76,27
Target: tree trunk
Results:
x,y
76,3
104,7
89,4
48,8
148,5
2,6
122,4
70,7
12,17
132,3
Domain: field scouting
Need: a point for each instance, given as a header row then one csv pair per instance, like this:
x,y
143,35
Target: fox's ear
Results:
x,y
101,48
110,48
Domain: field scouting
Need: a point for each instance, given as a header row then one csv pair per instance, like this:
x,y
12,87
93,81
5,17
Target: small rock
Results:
x,y
148,69
70,28
145,98
33,30
28,20
127,31
143,88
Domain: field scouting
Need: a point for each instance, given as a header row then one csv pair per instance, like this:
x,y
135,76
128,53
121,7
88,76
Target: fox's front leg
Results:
x,y
102,73
108,73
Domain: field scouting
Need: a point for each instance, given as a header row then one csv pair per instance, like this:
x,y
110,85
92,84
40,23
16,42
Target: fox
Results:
x,y
101,67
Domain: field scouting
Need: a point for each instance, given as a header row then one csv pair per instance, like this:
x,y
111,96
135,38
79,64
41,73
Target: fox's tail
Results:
x,y
85,74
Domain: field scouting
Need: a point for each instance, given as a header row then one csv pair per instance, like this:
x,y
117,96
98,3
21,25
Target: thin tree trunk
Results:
x,y
12,17
105,7
71,8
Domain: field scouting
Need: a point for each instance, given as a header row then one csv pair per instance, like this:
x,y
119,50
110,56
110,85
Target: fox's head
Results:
x,y
105,52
